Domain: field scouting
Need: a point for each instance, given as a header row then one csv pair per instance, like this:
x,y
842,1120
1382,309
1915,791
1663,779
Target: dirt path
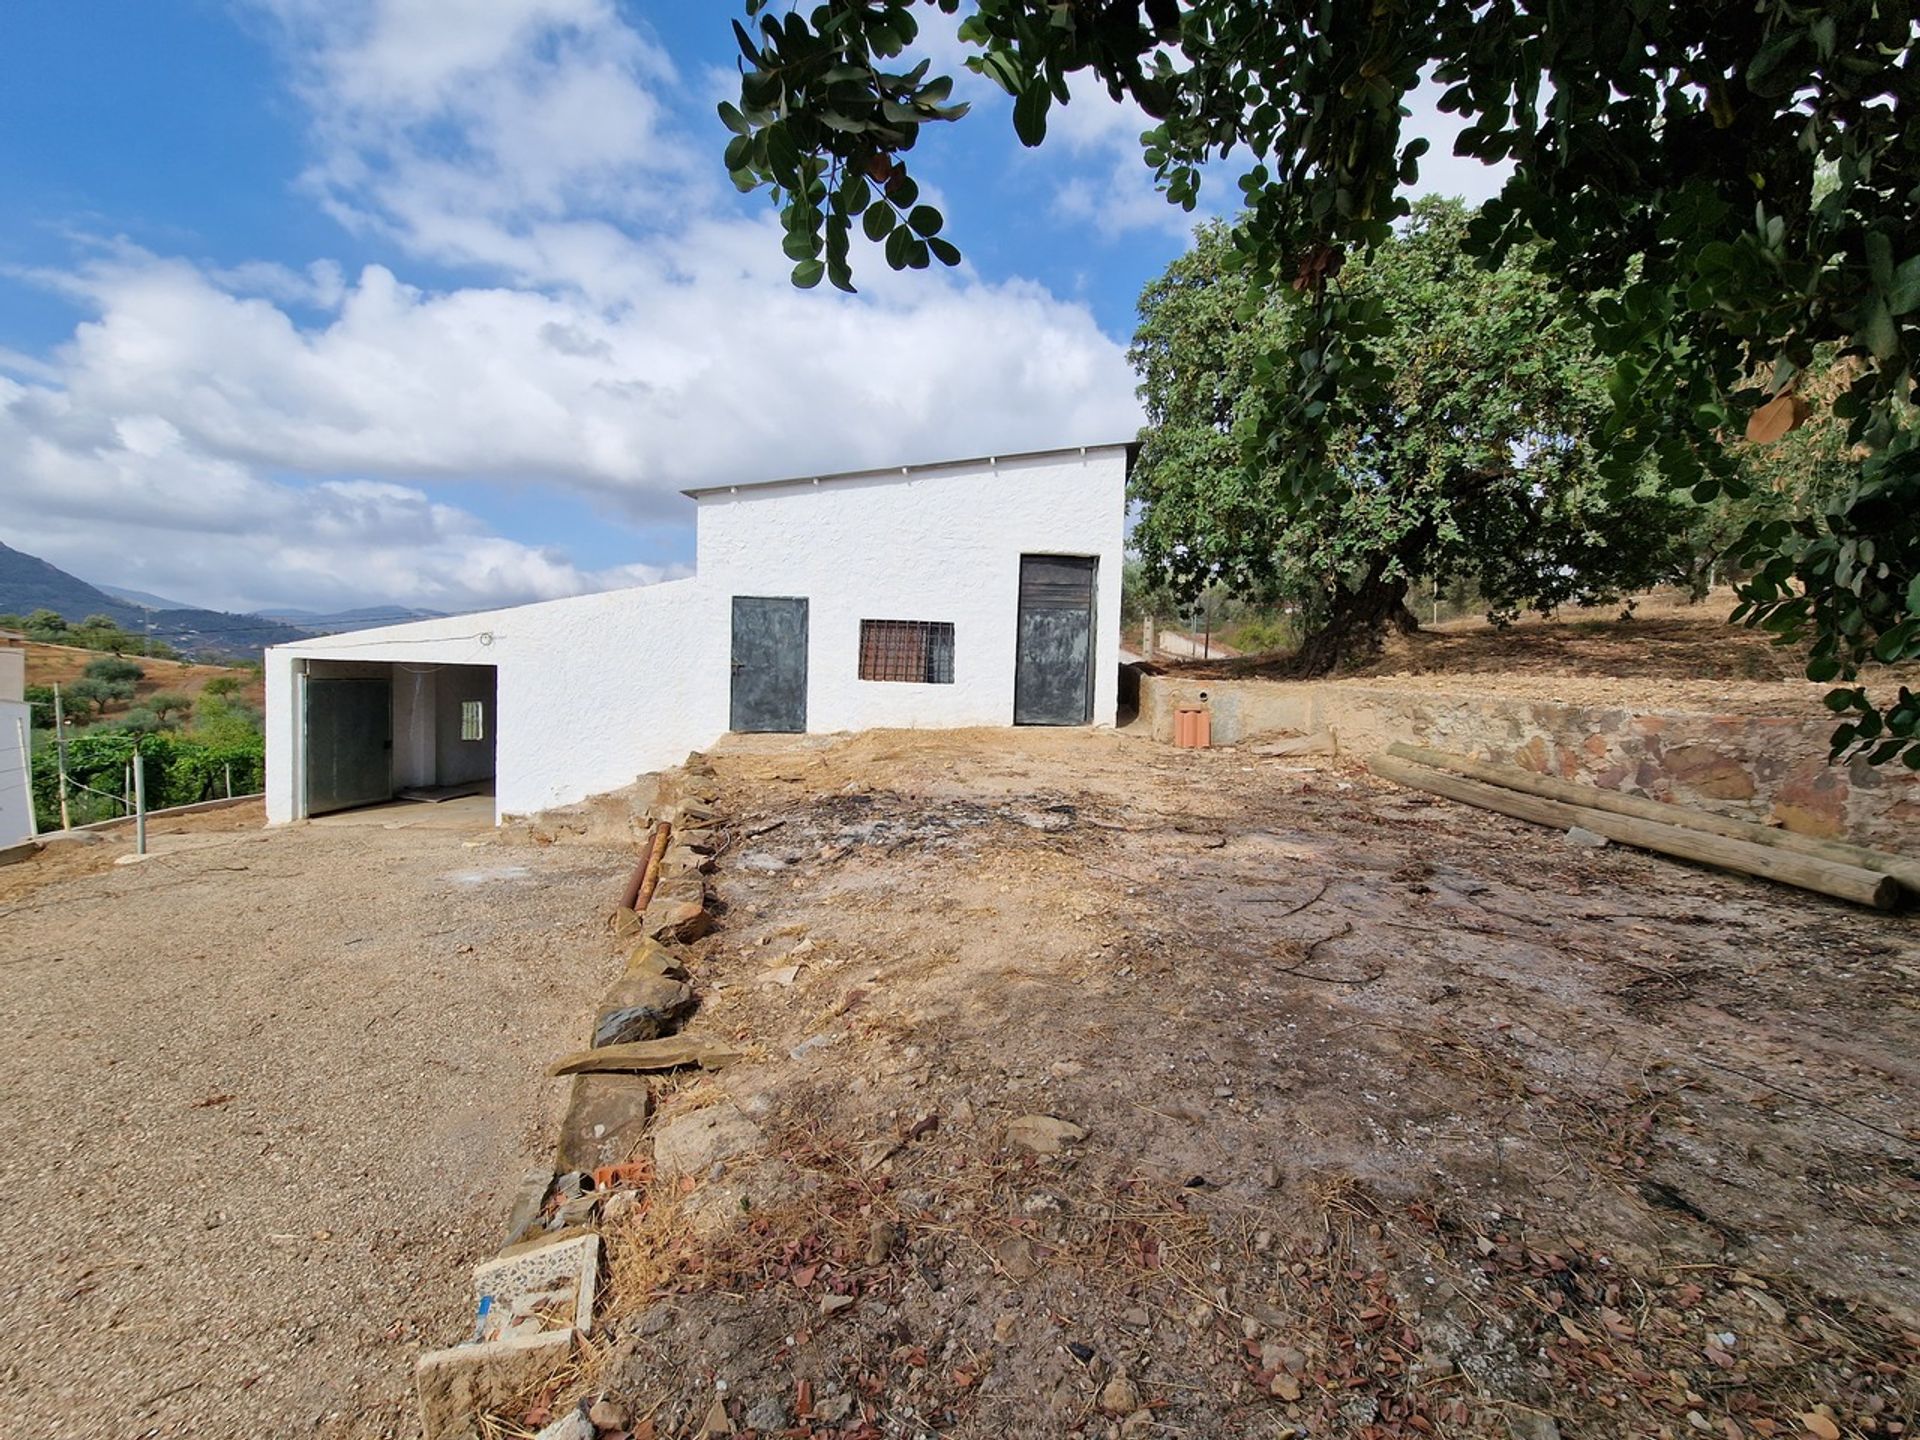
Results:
x,y
1399,1118
266,1099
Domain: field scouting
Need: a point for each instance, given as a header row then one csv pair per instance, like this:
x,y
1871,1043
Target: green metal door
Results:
x,y
349,744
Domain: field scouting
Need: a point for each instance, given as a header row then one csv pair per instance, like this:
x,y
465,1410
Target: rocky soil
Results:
x,y
1103,1089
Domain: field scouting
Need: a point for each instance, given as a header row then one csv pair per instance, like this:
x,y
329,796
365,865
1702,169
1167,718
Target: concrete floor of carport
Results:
x,y
469,812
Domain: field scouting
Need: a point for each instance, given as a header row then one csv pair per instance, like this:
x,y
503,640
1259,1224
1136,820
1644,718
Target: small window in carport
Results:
x,y
917,651
473,719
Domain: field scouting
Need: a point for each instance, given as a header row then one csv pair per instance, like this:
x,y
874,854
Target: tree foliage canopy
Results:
x,y
1474,465
1664,157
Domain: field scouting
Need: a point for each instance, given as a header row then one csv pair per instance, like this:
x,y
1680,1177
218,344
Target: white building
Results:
x,y
16,730
973,592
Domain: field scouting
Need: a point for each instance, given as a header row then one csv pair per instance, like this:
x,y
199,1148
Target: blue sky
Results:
x,y
325,303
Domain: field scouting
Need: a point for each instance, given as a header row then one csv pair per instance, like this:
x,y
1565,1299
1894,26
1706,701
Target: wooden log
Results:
x,y
669,1052
651,880
631,894
1808,872
1903,869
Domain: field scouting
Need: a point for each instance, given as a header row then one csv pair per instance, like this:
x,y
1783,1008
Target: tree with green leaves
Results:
x,y
1664,160
1474,464
171,706
115,670
87,698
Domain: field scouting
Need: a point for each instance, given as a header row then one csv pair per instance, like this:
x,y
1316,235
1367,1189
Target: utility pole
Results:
x,y
140,804
60,749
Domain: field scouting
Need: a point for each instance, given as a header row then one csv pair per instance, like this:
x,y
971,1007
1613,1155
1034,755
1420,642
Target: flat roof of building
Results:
x,y
873,472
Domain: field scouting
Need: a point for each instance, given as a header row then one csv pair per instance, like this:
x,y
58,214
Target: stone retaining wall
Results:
x,y
1767,768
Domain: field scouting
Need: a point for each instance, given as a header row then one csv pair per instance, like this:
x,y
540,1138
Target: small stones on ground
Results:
x,y
1584,839
1016,1258
1119,1397
767,1416
833,1408
1137,1423
880,1242
655,1320
1004,1327
1284,1387
1043,1134
570,1426
782,975
834,1304
607,1414
1532,1425
716,1423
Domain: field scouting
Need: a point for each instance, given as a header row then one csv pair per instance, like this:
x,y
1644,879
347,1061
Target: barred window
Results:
x,y
918,651
473,720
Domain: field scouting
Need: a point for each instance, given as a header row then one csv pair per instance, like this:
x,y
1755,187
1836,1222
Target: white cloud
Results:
x,y
263,432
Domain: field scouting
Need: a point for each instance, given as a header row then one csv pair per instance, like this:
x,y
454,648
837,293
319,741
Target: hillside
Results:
x,y
28,583
63,664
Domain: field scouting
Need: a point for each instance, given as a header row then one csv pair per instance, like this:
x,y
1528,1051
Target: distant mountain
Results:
x,y
145,599
362,619
28,583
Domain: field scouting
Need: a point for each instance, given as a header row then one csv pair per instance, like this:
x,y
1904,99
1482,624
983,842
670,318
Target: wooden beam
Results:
x,y
1905,870
1825,877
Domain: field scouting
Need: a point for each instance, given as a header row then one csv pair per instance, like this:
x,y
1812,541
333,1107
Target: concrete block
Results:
x,y
538,1291
457,1386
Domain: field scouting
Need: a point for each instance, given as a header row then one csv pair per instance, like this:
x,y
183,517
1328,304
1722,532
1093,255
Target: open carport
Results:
x,y
371,731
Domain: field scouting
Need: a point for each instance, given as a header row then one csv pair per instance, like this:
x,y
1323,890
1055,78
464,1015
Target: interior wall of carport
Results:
x,y
427,748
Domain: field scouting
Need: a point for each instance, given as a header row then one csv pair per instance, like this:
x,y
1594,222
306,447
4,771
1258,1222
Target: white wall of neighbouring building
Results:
x,y
16,780
597,690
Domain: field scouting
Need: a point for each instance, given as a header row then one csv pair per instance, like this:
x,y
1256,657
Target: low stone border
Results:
x,y
1771,769
597,1158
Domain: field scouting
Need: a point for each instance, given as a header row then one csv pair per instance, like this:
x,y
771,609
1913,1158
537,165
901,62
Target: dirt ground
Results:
x,y
1393,1118
1671,654
268,1096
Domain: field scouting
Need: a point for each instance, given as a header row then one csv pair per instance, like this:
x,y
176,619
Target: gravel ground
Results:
x,y
268,1096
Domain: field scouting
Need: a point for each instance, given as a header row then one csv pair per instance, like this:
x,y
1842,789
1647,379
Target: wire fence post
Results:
x,y
60,750
140,804
229,781
26,760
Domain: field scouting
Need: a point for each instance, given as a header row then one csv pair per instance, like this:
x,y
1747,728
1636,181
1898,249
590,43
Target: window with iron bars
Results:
x,y
917,651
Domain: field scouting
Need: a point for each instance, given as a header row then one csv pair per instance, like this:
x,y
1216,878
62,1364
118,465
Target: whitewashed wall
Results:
x,y
937,543
596,690
16,796
593,691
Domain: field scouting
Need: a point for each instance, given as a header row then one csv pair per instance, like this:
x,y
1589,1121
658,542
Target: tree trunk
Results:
x,y
1357,621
